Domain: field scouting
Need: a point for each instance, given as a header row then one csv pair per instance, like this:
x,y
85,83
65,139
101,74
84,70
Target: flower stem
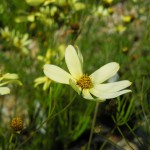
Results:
x,y
10,140
93,124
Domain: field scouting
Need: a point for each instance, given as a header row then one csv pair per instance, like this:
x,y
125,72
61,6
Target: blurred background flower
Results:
x,y
42,80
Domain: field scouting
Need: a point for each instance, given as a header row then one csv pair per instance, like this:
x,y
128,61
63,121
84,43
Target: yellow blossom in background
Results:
x,y
101,11
7,79
46,58
42,80
9,76
16,40
24,18
5,33
91,87
78,5
110,10
108,1
31,17
43,15
48,2
125,49
21,42
59,52
120,28
4,90
34,2
127,18
75,4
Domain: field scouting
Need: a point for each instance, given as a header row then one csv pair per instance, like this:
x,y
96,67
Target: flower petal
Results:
x,y
112,87
4,90
114,78
106,95
86,94
105,72
57,74
73,62
80,56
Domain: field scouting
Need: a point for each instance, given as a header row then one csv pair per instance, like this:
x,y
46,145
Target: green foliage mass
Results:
x,y
54,116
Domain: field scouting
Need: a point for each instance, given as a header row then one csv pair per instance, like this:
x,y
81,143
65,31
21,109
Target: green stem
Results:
x,y
124,138
105,142
10,140
93,124
134,134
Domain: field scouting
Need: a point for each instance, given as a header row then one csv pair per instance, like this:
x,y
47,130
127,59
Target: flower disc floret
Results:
x,y
85,82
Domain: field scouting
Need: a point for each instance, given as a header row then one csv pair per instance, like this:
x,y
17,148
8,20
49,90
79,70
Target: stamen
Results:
x,y
85,82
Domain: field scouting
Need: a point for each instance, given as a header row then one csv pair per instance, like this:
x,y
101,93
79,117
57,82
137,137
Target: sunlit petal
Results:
x,y
107,95
86,94
112,87
73,62
105,72
57,74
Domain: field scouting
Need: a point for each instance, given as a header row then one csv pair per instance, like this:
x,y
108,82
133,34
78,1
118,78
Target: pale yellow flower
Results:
x,y
120,28
101,11
108,1
47,57
127,18
6,79
9,76
89,86
78,5
4,90
5,33
22,42
42,80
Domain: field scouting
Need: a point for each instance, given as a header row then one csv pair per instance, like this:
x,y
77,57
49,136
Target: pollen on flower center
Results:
x,y
85,82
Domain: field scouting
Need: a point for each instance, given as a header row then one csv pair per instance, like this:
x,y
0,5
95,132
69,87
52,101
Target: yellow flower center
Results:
x,y
85,82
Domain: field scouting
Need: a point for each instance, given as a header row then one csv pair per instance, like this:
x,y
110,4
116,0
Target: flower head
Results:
x,y
22,42
89,86
16,124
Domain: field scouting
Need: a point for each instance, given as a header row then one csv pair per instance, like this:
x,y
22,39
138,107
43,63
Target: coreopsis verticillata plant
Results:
x,y
89,86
